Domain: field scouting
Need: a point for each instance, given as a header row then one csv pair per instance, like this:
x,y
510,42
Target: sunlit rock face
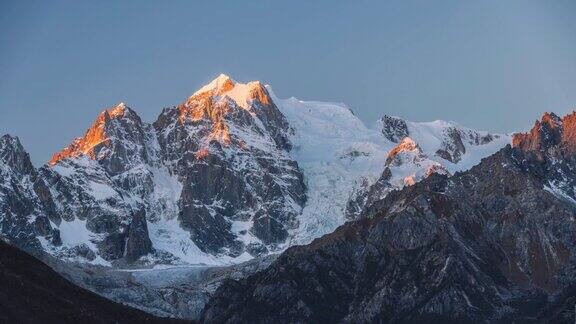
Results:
x,y
117,138
551,136
100,180
552,143
228,144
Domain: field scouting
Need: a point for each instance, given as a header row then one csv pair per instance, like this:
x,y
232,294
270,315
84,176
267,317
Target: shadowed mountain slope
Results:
x,y
33,293
492,244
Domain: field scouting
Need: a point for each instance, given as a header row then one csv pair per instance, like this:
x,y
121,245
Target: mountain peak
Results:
x,y
218,103
97,133
548,132
551,119
8,140
12,154
121,110
241,93
118,110
218,86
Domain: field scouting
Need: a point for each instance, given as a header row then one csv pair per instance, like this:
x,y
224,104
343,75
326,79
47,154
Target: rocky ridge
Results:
x,y
491,244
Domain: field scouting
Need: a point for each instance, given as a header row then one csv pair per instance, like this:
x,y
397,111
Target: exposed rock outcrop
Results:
x,y
552,142
138,242
22,217
394,128
228,144
453,148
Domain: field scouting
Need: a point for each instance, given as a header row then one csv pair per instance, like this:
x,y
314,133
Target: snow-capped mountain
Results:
x,y
231,173
228,145
422,149
342,159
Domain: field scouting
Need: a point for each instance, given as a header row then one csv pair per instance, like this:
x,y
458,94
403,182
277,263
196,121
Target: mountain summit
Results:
x,y
104,138
550,135
242,93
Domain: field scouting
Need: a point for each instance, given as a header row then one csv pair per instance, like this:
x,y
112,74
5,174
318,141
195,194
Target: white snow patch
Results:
x,y
556,191
168,236
338,154
75,233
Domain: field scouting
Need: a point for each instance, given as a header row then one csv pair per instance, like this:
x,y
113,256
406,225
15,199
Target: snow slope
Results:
x,y
340,155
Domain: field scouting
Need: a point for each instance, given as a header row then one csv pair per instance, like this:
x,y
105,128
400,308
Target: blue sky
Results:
x,y
494,65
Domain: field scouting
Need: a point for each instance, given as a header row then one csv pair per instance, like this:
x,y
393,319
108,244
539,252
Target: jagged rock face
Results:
x,y
228,143
22,219
487,245
112,157
545,134
552,142
394,128
91,206
138,242
453,147
13,155
117,140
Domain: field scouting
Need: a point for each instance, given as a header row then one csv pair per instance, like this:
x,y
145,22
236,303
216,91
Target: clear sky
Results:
x,y
493,65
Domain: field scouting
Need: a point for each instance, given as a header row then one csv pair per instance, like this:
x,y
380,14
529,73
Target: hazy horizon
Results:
x,y
491,66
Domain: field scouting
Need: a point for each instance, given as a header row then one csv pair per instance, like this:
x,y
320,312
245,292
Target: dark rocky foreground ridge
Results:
x,y
33,293
496,243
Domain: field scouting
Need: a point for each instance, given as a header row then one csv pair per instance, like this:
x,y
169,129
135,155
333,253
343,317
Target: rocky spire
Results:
x,y
12,154
394,128
545,134
98,134
117,140
138,241
224,101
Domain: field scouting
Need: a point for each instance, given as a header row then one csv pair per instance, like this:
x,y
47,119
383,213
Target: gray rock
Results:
x,y
137,242
393,128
